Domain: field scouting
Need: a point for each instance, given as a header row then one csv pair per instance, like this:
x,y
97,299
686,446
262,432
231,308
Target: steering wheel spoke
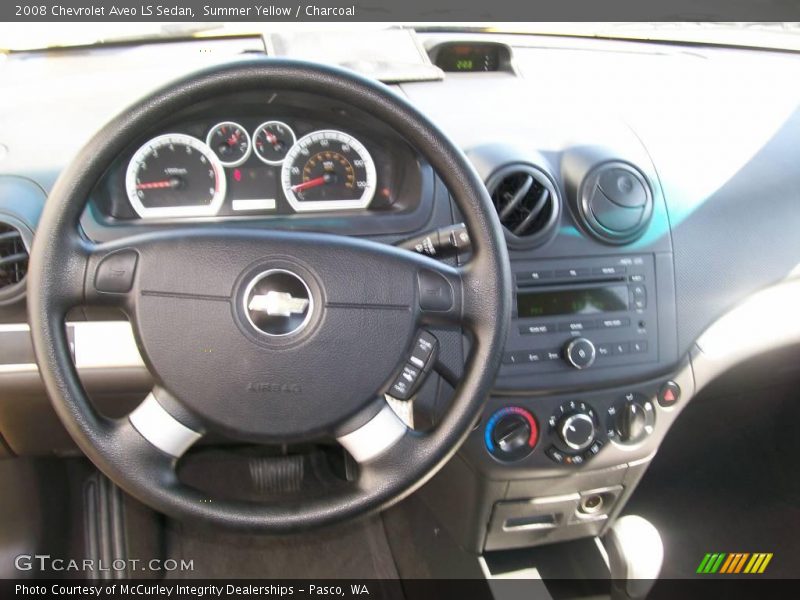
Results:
x,y
165,424
376,436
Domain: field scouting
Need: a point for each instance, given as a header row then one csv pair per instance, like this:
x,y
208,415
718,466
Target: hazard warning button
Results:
x,y
669,394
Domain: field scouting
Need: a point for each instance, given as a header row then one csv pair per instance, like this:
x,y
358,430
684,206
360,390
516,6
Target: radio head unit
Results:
x,y
582,314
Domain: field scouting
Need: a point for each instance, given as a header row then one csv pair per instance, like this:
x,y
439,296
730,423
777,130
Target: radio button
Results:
x,y
580,353
551,355
515,358
639,296
637,278
609,271
638,347
620,348
605,349
572,273
537,329
533,275
581,325
614,323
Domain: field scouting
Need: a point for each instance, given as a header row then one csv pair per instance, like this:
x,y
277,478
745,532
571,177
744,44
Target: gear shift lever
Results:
x,y
635,555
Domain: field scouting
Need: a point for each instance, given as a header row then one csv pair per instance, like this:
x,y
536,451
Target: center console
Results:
x,y
591,378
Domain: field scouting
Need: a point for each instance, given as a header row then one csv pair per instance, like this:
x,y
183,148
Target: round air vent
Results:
x,y
13,261
526,202
616,203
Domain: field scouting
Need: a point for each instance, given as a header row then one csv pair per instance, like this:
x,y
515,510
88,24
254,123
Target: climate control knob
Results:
x,y
577,431
580,353
511,433
633,418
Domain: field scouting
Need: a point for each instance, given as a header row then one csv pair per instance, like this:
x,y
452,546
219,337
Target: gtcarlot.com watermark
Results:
x,y
45,563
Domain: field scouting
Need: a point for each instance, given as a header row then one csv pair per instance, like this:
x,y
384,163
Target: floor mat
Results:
x,y
356,550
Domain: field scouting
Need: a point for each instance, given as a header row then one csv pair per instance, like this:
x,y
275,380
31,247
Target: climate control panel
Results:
x,y
580,430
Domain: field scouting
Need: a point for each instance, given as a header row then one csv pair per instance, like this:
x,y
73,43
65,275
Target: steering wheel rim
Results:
x,y
63,265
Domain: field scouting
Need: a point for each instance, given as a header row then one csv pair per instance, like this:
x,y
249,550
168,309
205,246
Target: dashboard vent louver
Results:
x,y
13,257
526,202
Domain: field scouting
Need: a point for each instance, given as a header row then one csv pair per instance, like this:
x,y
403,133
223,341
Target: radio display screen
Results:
x,y
589,301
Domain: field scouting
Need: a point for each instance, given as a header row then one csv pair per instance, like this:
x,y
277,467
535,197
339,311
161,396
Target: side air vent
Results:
x,y
13,262
616,203
526,202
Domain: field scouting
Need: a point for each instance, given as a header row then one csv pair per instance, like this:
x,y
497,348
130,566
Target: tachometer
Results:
x,y
328,170
175,175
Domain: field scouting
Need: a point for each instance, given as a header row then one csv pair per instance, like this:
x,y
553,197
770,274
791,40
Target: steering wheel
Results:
x,y
355,308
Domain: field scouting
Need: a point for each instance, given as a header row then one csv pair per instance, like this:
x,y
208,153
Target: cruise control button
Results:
x,y
424,347
404,385
115,272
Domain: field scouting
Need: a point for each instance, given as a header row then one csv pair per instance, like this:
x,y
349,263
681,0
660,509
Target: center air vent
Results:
x,y
526,202
13,262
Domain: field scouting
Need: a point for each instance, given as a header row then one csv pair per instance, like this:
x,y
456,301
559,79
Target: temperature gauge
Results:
x,y
273,140
230,142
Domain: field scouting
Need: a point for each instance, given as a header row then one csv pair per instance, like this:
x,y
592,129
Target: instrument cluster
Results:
x,y
258,166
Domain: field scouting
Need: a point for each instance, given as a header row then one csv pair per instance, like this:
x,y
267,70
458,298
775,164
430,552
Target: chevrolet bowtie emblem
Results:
x,y
278,304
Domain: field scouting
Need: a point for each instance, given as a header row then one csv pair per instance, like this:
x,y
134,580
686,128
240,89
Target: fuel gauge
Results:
x,y
273,140
230,142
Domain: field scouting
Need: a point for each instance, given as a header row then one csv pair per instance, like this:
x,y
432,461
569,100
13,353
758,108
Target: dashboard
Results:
x,y
652,241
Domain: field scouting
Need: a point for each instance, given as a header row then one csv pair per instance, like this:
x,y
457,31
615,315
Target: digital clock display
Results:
x,y
588,301
469,58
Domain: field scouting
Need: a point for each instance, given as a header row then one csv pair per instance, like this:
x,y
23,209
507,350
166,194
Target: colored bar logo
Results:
x,y
734,563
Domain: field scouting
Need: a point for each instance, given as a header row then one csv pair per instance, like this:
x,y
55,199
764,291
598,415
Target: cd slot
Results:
x,y
563,282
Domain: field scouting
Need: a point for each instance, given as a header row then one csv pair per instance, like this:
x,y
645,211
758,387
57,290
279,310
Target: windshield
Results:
x,y
782,36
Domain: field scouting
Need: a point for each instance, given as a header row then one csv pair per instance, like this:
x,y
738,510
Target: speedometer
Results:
x,y
328,170
175,175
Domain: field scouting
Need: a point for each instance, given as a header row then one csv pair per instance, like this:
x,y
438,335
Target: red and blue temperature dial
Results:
x,y
511,433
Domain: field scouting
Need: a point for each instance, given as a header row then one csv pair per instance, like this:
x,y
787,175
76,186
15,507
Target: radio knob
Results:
x,y
580,353
577,431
